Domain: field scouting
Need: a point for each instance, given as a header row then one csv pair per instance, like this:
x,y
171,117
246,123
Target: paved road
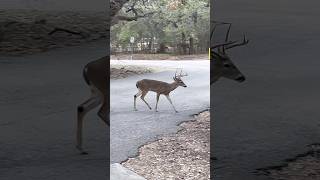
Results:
x,y
131,129
275,113
38,99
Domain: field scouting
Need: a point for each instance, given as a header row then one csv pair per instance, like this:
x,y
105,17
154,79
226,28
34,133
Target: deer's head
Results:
x,y
221,65
178,80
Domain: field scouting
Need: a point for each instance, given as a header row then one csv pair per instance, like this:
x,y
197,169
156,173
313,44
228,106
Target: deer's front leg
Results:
x,y
169,99
156,109
135,100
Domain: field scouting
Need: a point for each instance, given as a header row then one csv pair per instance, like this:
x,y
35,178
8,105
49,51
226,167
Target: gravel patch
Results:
x,y
123,71
185,155
303,167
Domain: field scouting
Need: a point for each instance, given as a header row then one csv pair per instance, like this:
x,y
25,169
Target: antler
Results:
x,y
227,44
180,74
244,42
215,26
223,44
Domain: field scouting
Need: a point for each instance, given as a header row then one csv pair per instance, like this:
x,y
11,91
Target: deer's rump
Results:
x,y
96,72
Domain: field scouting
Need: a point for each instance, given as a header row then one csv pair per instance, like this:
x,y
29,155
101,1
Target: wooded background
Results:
x,y
161,26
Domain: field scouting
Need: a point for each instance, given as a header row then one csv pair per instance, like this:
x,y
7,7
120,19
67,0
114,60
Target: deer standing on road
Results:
x,y
160,87
96,75
222,66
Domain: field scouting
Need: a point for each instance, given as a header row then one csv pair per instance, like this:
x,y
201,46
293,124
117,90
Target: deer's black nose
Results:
x,y
185,86
241,79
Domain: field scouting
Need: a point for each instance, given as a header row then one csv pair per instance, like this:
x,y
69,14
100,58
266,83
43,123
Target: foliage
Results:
x,y
170,23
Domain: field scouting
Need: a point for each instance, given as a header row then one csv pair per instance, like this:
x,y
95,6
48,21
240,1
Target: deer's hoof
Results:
x,y
84,153
81,150
135,109
176,111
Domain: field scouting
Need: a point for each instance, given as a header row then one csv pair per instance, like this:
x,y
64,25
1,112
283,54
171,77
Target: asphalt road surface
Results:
x,y
38,99
131,129
275,113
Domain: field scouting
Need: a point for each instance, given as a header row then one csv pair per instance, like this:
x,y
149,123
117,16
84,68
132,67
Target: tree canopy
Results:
x,y
179,26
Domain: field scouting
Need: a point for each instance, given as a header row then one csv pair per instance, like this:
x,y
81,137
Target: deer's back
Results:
x,y
153,85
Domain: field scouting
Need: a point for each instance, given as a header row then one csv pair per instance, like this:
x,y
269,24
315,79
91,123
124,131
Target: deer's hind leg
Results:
x,y
156,108
83,109
142,97
135,99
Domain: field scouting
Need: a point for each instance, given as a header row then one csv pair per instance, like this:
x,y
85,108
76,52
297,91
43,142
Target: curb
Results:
x,y
118,172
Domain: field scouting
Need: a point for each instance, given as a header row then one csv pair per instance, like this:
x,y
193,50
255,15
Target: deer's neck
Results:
x,y
173,86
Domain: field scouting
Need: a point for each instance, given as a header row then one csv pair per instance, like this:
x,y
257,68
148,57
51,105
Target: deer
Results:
x,y
222,66
96,76
159,87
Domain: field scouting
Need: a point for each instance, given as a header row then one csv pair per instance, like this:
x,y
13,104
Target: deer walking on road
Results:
x,y
160,87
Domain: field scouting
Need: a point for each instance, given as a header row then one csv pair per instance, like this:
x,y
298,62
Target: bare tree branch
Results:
x,y
118,18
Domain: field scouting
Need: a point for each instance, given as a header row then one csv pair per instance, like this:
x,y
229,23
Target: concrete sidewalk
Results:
x,y
118,172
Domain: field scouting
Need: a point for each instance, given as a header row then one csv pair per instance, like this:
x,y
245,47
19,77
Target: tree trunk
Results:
x,y
162,48
115,6
183,43
150,45
191,44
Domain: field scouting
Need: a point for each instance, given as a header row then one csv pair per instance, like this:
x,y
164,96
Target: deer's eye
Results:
x,y
227,65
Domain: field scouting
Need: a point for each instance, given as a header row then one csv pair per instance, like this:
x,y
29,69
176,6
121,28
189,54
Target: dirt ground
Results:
x,y
303,167
184,155
119,72
306,168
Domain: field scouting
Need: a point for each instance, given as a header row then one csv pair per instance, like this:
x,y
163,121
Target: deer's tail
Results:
x,y
85,76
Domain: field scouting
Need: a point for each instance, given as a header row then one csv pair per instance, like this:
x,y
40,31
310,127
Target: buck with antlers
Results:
x,y
222,66
160,87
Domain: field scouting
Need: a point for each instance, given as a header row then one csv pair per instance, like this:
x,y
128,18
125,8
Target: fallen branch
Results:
x,y
67,31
